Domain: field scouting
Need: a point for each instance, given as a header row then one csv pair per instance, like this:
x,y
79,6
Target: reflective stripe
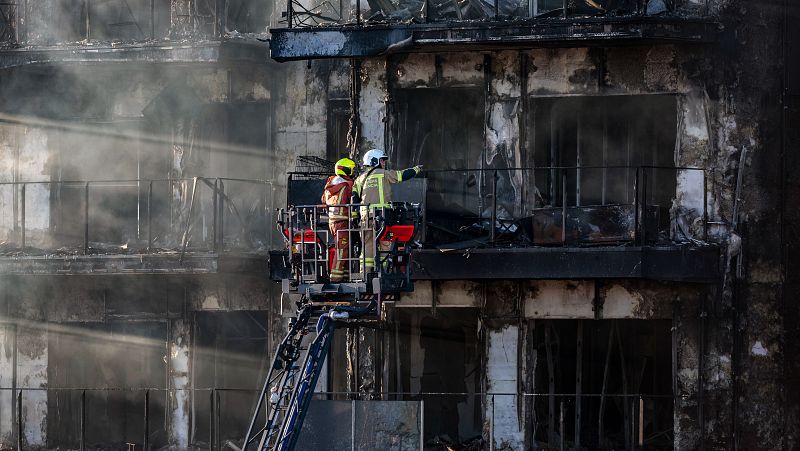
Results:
x,y
380,188
399,176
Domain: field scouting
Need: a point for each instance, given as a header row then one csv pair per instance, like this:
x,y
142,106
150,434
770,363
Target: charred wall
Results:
x,y
57,22
127,126
727,122
731,344
112,344
170,345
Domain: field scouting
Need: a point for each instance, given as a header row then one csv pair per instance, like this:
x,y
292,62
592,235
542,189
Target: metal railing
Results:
x,y
314,13
115,20
210,407
142,216
558,421
311,242
566,205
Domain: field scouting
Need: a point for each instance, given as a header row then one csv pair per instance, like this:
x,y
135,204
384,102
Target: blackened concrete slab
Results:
x,y
374,40
134,264
668,263
664,263
226,51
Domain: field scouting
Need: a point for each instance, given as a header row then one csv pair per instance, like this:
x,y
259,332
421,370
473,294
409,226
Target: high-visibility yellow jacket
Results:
x,y
374,185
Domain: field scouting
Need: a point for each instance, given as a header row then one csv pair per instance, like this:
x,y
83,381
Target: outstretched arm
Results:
x,y
408,174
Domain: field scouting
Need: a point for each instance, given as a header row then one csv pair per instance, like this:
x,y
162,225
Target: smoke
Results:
x,y
132,122
125,124
114,365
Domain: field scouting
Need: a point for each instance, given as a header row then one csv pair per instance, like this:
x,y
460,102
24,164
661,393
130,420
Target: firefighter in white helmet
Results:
x,y
374,188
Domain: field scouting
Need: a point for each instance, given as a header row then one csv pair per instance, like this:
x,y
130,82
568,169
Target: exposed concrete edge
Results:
x,y
225,51
366,41
132,264
668,263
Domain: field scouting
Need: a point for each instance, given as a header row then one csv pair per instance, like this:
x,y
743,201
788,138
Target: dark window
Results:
x,y
247,16
443,129
616,358
119,20
8,22
338,125
440,356
230,354
106,356
596,156
595,132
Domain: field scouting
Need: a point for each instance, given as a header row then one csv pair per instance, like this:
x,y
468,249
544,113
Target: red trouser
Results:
x,y
339,264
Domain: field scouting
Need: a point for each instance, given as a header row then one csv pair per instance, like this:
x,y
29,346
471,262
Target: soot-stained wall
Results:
x,y
726,121
169,341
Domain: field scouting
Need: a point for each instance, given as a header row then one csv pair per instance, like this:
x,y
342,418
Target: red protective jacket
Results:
x,y
338,191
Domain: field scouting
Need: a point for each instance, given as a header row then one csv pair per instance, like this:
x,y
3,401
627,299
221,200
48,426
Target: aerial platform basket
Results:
x,y
311,251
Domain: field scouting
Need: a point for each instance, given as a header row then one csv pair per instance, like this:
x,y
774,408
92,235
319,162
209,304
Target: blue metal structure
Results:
x,y
285,397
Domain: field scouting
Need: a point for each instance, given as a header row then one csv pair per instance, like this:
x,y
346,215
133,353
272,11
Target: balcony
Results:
x,y
166,226
132,31
363,28
557,222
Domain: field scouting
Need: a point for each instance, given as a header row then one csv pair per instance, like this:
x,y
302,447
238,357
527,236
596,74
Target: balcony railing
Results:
x,y
122,20
313,13
633,420
564,205
136,216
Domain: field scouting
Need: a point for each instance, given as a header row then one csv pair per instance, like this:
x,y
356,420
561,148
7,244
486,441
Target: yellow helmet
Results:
x,y
345,167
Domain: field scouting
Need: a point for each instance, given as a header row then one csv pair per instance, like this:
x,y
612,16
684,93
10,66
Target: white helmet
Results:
x,y
373,157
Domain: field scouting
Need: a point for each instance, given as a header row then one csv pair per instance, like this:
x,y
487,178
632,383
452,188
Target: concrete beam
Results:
x,y
239,51
375,40
205,263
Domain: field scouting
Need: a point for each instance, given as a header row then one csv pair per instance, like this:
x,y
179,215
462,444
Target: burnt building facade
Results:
x,y
607,242
607,251
136,205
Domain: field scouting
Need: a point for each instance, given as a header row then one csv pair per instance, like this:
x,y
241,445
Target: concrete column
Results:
x,y
372,109
502,373
179,384
502,129
686,354
32,360
8,349
35,155
362,361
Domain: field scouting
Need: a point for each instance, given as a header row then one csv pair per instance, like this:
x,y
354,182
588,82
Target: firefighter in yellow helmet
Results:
x,y
337,194
374,188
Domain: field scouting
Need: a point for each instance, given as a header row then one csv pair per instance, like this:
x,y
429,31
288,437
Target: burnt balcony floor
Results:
x,y
338,41
668,262
238,50
167,262
686,263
